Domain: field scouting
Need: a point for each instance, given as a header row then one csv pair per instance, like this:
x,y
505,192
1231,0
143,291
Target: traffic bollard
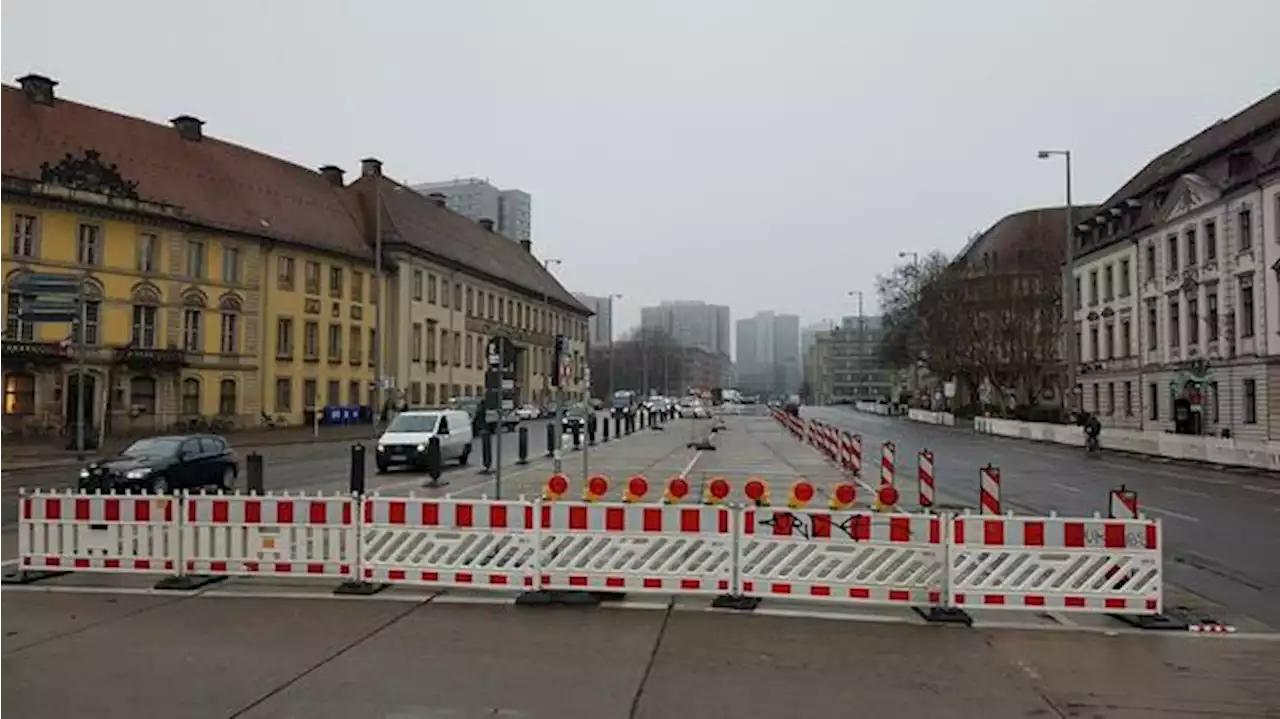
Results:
x,y
486,451
253,473
551,439
435,463
604,430
357,469
576,431
522,445
617,426
641,419
591,430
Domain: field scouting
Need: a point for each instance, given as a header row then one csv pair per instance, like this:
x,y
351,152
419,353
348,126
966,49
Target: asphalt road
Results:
x,y
1220,526
214,658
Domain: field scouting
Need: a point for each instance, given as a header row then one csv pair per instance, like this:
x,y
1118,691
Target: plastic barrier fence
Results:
x,y
938,561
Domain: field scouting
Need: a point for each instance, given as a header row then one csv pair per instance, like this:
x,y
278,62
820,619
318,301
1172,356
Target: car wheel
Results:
x,y
465,456
228,481
160,485
381,467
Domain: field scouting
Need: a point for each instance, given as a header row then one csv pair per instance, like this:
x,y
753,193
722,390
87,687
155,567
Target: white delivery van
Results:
x,y
404,443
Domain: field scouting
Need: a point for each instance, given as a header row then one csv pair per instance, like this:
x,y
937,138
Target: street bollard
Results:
x,y
604,427
357,469
486,451
435,463
253,473
522,445
551,439
576,431
643,419
591,430
617,426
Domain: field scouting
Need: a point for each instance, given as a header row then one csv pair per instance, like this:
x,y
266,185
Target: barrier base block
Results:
x,y
611,596
738,602
355,588
28,576
188,582
436,484
548,597
703,446
486,470
1156,622
522,462
944,615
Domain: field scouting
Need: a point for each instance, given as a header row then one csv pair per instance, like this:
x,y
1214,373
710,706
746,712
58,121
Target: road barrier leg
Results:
x,y
356,477
522,446
253,473
486,451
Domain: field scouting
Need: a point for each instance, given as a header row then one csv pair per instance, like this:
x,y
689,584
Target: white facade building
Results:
x,y
1178,303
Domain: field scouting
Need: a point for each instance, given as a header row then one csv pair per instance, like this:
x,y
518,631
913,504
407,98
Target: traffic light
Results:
x,y
558,360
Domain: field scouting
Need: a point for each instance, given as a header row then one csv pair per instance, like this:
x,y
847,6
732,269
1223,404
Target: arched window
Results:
x,y
229,328
193,304
191,396
19,393
227,397
142,394
146,301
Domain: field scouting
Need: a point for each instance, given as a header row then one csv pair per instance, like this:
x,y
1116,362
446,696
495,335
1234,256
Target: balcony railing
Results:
x,y
140,358
36,352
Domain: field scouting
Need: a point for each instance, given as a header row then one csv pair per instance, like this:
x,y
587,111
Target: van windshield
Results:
x,y
414,423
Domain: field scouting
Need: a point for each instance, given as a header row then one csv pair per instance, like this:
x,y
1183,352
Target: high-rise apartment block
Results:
x,y
691,324
510,210
600,326
768,354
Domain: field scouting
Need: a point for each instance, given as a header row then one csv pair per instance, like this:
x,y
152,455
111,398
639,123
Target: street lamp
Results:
x,y
612,297
1068,282
546,301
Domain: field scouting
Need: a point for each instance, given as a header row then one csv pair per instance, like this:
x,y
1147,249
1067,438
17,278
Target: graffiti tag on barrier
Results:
x,y
1097,537
818,526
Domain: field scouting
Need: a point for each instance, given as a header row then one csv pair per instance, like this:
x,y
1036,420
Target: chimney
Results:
x,y
333,174
37,88
438,198
370,167
188,127
486,223
527,245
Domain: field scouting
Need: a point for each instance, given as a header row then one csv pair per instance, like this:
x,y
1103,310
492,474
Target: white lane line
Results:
x,y
684,473
1268,490
9,562
1180,490
1065,487
1168,512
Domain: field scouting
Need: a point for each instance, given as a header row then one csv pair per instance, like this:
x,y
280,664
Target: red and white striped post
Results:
x,y
989,491
924,470
886,464
833,443
1123,504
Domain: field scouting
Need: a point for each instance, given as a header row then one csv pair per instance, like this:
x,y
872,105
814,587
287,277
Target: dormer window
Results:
x,y
1239,163
1160,198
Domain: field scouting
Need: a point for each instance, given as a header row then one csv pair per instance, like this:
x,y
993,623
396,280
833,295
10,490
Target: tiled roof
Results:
x,y
1045,227
1188,155
213,182
417,221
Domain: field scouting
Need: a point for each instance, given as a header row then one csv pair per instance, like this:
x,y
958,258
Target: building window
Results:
x,y
1193,320
284,394
444,292
444,393
148,252
457,295
19,393
142,394
431,342
415,343
354,345
1125,281
191,396
444,347
335,282
1213,392
502,312
415,394
191,329
1211,317
92,317
195,259
431,289
311,341
1111,399
1250,401
334,393
430,398
1193,257
1245,223
457,349
469,351
312,278
143,330
1153,325
310,394
471,306
24,236
1097,399
1210,241
353,391
230,265
89,245
285,271
1109,283
1128,399
1126,338
228,334
1175,338
417,285
335,343
357,286
1094,353
1150,270
489,306
1154,390
227,397
373,346
1246,306
284,338
14,326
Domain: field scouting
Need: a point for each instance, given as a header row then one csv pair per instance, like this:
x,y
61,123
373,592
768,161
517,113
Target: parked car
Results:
x,y
527,411
576,415
404,443
164,464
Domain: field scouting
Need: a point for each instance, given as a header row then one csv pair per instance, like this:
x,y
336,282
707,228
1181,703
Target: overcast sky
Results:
x,y
764,155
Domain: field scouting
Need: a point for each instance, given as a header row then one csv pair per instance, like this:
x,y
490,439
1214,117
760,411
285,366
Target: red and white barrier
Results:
x,y
1122,504
270,535
924,474
846,557
1056,564
60,532
887,451
989,490
851,453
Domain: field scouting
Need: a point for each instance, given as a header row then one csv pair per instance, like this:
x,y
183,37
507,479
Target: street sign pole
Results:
x,y
81,337
588,413
51,298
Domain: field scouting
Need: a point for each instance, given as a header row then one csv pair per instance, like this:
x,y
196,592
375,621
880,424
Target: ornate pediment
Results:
x,y
1189,193
88,173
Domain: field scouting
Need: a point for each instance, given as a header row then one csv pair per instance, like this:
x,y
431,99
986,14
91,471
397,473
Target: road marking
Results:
x,y
1188,492
1065,487
1169,512
9,562
684,473
1268,490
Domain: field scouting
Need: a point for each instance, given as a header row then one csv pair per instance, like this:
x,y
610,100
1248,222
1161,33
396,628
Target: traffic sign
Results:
x,y
39,283
49,308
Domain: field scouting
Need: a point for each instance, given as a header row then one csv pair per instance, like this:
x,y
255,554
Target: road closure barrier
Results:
x,y
938,564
